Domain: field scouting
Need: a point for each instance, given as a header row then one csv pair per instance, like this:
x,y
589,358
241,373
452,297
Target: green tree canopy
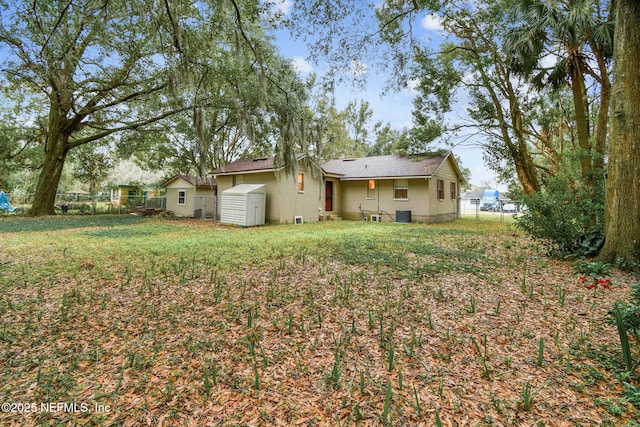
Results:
x,y
109,67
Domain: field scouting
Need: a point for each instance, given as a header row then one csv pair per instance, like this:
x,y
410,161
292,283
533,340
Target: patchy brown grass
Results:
x,y
177,323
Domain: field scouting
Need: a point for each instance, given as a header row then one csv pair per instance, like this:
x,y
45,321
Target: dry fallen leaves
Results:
x,y
309,340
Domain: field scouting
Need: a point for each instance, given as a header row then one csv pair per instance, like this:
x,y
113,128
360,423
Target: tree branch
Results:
x,y
131,126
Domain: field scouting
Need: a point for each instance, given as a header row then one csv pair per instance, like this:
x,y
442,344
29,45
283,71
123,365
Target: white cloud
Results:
x,y
357,69
279,8
431,23
410,88
301,65
550,60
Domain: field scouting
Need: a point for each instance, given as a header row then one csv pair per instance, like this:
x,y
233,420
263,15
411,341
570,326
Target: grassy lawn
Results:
x,y
180,322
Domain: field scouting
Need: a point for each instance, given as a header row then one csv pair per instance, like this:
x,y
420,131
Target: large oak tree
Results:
x,y
93,63
106,67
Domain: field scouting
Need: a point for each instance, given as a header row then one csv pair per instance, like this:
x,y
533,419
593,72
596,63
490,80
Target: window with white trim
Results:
x,y
454,192
182,197
401,189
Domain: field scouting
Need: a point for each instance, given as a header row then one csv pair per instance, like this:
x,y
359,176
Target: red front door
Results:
x,y
328,196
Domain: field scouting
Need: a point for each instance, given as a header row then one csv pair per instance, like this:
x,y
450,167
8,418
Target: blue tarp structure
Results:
x,y
4,203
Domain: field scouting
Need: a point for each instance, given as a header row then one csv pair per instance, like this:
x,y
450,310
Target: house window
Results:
x,y
441,189
454,193
371,189
300,182
182,197
401,189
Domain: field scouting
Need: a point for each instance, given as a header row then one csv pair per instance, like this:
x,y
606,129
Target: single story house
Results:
x,y
421,188
290,198
191,196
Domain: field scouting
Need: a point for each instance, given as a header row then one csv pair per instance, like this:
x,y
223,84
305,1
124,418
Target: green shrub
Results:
x,y
567,216
630,313
626,317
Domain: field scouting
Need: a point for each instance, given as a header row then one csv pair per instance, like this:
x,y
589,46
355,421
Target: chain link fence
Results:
x,y
205,207
86,204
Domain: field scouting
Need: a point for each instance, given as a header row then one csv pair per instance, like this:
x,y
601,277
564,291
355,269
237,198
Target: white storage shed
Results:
x,y
244,205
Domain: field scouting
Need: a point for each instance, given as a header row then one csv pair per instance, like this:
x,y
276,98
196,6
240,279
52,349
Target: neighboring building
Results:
x,y
421,188
470,200
134,195
290,198
384,188
191,196
120,194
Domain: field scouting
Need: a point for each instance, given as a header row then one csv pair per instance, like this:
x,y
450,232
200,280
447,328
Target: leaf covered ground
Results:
x,y
169,322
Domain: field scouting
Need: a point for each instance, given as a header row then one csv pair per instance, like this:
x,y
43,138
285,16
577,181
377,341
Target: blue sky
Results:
x,y
394,108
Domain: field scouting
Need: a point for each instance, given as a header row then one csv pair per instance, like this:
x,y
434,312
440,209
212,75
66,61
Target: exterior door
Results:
x,y
328,196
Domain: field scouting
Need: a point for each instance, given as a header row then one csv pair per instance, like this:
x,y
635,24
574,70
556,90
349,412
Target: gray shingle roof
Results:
x,y
197,181
384,166
247,165
250,165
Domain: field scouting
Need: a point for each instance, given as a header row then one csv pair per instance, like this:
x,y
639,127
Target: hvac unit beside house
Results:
x,y
403,217
243,205
376,218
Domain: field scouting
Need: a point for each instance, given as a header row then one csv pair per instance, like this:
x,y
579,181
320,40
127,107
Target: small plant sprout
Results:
x,y
416,404
523,283
482,353
541,352
356,412
562,297
472,305
372,319
391,357
336,371
290,323
387,404
438,420
256,375
624,340
526,397
209,376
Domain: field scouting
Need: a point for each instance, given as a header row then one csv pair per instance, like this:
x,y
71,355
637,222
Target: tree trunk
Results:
x,y
603,120
525,169
581,108
55,155
622,215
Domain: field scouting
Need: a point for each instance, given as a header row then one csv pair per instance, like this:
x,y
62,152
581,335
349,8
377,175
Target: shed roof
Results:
x,y
392,166
196,181
246,189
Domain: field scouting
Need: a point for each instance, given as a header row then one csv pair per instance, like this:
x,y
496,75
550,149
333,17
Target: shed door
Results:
x,y
252,205
328,196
